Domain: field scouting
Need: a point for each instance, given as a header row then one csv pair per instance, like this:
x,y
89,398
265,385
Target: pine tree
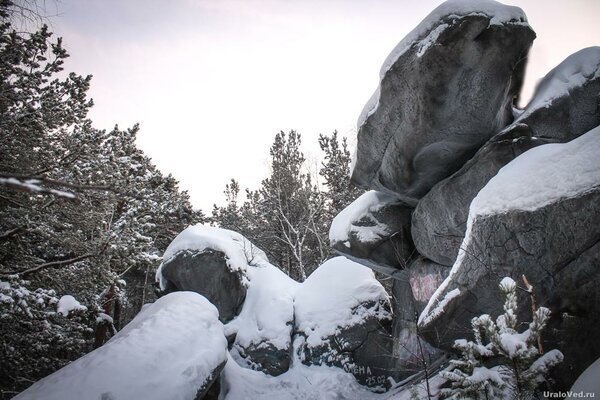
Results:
x,y
82,212
285,215
289,215
520,365
335,169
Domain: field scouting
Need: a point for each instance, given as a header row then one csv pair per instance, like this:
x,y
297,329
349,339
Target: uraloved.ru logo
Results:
x,y
569,395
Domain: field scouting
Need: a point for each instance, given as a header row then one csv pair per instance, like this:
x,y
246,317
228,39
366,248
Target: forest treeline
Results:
x,y
84,212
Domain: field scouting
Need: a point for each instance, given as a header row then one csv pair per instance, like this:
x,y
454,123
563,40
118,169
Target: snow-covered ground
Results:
x,y
301,382
588,381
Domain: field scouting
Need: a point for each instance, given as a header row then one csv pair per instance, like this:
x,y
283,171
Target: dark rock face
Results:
x,y
381,236
207,273
439,103
364,350
439,221
210,388
575,324
556,247
424,277
266,357
410,296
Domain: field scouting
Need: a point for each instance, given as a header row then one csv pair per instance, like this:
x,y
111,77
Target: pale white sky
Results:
x,y
212,81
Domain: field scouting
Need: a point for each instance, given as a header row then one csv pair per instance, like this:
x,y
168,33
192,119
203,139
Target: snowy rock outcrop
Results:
x,y
212,262
263,330
173,349
444,91
343,318
537,217
375,227
236,276
565,106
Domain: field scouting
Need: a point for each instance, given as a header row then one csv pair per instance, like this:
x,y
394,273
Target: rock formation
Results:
x,y
375,227
343,319
495,194
536,217
445,90
565,106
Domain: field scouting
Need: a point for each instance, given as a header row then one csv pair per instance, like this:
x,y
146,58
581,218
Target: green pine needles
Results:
x,y
501,362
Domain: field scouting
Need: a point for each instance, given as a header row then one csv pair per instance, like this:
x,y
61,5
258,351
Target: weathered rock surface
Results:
x,y
424,277
206,272
565,106
345,322
375,227
445,90
538,217
440,218
410,295
265,357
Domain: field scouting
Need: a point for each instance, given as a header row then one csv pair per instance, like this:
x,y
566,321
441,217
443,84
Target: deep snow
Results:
x,y
166,352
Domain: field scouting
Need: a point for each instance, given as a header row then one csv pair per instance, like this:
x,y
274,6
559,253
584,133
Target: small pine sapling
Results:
x,y
520,365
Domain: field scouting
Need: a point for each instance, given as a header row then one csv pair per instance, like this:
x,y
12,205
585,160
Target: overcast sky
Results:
x,y
212,81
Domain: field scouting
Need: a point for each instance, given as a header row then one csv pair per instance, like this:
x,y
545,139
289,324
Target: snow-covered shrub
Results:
x,y
501,362
36,339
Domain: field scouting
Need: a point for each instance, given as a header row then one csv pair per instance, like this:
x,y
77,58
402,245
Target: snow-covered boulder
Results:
x,y
537,217
173,349
444,91
565,106
342,318
263,330
566,103
376,227
212,262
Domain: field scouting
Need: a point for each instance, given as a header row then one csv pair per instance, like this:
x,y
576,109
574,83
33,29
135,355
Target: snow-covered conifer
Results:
x,y
501,361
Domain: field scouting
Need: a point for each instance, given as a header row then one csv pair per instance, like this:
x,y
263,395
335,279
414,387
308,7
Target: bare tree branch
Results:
x,y
52,264
12,232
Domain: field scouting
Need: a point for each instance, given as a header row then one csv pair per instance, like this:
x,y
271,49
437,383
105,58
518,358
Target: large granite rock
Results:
x,y
263,330
206,272
213,262
565,105
374,227
343,319
538,217
254,297
445,90
174,348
